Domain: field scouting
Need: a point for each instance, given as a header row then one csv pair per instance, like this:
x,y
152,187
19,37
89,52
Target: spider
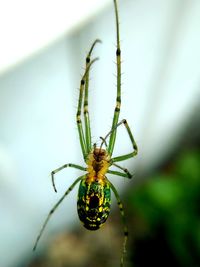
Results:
x,y
94,194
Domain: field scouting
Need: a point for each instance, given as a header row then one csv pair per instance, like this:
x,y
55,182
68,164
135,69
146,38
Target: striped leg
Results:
x,y
63,167
78,114
124,222
86,114
55,207
118,99
135,148
126,173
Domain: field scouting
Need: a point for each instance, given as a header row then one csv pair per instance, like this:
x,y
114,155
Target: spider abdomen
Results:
x,y
93,203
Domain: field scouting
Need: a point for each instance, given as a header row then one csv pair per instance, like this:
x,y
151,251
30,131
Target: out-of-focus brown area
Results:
x,y
84,248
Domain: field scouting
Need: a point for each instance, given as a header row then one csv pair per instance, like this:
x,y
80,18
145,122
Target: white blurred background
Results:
x,y
42,53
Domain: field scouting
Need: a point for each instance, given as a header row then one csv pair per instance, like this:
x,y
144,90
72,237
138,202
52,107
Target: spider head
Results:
x,y
99,154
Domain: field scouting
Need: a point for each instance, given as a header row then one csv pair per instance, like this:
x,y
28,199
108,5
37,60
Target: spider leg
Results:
x,y
55,207
135,148
123,220
86,113
63,167
118,99
78,114
103,142
127,173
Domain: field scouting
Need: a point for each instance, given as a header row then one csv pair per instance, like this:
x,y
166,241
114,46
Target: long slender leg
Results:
x,y
135,148
118,99
78,114
63,167
109,133
124,223
86,113
127,173
54,208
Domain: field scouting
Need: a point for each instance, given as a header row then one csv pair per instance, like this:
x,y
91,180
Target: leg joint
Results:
x,y
87,60
118,52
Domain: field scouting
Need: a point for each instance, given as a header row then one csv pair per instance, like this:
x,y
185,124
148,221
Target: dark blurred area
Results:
x,y
163,217
166,215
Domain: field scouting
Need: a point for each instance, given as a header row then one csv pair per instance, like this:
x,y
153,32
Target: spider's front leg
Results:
x,y
85,139
111,143
85,105
78,116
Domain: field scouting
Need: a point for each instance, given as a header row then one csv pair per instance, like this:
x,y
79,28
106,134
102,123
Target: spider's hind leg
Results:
x,y
124,222
54,208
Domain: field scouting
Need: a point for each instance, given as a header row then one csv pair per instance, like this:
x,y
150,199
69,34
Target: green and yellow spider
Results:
x,y
94,195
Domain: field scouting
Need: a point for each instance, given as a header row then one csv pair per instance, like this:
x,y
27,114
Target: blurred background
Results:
x,y
42,54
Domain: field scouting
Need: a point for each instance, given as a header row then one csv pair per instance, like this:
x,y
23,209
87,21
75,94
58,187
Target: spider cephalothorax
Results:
x,y
100,154
98,164
94,195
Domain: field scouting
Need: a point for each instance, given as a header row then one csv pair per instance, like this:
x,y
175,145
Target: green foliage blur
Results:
x,y
165,214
